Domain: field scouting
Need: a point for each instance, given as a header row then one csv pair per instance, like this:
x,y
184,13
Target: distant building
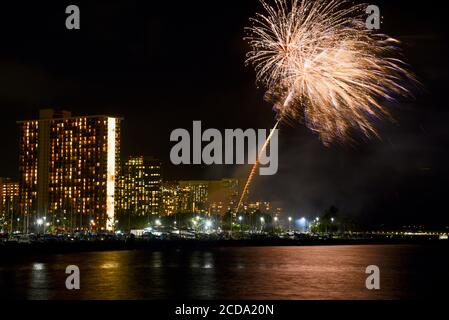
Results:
x,y
175,199
198,192
263,207
213,197
9,204
278,212
169,205
224,195
68,168
139,188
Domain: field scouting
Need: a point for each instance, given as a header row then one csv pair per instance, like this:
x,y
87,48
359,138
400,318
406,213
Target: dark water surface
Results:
x,y
321,272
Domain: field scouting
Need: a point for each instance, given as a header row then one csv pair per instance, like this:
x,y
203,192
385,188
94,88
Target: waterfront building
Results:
x,y
68,167
140,186
9,204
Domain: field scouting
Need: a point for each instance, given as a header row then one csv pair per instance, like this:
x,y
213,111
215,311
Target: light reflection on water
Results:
x,y
321,272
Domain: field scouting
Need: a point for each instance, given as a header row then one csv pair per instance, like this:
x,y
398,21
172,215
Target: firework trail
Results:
x,y
322,67
255,167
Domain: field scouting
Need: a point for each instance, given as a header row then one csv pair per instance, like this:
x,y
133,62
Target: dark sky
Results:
x,y
163,65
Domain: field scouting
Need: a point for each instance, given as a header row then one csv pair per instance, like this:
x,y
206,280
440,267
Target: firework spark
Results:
x,y
323,67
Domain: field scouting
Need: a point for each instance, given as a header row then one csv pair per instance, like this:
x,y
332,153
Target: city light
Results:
x,y
208,224
158,222
40,222
302,223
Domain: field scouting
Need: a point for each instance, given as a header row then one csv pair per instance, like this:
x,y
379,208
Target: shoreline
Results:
x,y
24,249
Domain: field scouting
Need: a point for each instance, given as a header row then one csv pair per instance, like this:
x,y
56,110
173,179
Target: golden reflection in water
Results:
x,y
317,272
39,281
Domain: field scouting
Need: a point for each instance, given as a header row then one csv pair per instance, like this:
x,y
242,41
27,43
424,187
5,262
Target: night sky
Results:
x,y
161,66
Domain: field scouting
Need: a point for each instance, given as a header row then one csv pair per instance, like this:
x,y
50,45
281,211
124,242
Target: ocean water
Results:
x,y
291,273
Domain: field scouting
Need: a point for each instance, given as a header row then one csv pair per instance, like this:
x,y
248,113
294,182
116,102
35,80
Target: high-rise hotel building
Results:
x,y
9,201
139,190
68,168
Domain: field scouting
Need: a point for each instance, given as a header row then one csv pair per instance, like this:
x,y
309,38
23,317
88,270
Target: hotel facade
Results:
x,y
68,168
139,186
9,203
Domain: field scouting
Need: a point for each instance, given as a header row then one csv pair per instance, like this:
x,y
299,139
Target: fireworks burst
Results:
x,y
323,67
